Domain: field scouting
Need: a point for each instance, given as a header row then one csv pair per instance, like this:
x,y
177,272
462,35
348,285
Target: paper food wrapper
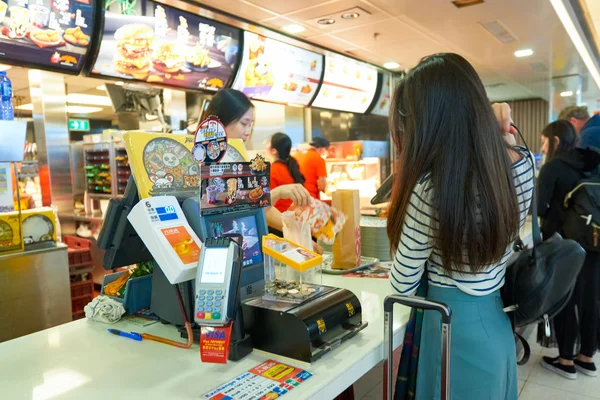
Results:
x,y
346,248
162,164
296,229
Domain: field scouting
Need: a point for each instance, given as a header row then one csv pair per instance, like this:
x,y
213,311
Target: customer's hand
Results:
x,y
295,192
503,115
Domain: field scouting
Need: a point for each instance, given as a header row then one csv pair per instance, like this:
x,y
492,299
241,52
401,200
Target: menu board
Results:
x,y
278,72
47,34
348,85
160,44
382,106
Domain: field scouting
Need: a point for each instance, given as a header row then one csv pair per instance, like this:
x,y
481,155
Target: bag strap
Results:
x,y
535,231
526,349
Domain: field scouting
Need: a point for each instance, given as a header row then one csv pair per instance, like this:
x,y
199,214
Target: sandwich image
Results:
x,y
134,51
167,58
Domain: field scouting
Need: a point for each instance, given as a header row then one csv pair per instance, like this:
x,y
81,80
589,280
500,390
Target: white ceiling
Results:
x,y
407,30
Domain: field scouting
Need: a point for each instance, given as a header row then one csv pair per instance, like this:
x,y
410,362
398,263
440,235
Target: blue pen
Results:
x,y
132,335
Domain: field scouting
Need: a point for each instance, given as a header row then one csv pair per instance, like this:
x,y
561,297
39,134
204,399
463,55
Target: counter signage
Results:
x,y
382,107
50,34
278,72
231,187
348,85
159,44
268,380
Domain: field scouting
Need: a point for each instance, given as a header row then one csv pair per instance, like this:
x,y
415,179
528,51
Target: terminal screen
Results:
x,y
214,265
245,226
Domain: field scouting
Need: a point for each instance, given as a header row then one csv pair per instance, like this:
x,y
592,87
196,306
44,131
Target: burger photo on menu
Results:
x,y
134,50
168,58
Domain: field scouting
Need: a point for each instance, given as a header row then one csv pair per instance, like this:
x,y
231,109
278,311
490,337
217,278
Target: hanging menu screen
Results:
x,y
348,85
47,34
275,71
156,43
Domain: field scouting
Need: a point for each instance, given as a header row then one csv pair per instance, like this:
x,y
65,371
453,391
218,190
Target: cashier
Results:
x,y
236,113
312,166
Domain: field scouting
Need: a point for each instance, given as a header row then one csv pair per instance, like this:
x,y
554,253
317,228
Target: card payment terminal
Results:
x,y
217,282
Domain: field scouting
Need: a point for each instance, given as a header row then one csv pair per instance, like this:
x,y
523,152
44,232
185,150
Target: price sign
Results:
x,y
79,125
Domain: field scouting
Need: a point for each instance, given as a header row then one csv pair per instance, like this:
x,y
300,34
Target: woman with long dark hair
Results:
x,y
462,194
284,167
565,166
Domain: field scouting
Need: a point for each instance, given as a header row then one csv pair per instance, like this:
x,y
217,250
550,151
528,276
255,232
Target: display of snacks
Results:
x,y
76,36
46,37
122,169
97,170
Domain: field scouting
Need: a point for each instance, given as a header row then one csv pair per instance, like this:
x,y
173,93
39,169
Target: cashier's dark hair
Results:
x,y
229,105
443,125
283,144
566,134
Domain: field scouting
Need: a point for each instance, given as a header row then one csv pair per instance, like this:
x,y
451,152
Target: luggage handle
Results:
x,y
388,335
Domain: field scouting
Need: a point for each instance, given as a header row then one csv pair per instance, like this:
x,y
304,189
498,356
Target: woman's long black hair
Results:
x,y
229,105
442,124
565,132
283,144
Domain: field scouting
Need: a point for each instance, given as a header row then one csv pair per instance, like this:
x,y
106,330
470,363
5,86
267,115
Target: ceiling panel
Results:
x,y
386,32
242,9
334,43
284,6
278,23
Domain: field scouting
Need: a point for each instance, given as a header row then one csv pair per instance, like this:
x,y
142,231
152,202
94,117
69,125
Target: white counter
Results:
x,y
81,360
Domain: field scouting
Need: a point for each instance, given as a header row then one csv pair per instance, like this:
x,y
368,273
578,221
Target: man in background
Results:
x,y
312,166
587,128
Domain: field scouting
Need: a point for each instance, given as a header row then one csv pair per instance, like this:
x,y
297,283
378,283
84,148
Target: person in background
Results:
x,y
564,168
587,128
312,166
462,194
236,113
284,167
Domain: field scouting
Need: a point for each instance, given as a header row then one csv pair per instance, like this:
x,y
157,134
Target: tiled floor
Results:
x,y
535,382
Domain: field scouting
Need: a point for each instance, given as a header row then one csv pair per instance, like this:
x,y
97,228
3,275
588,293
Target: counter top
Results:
x,y
58,247
81,360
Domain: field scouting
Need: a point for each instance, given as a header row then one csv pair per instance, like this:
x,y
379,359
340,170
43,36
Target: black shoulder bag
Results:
x,y
540,282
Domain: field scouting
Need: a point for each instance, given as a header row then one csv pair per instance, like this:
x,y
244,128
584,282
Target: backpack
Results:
x,y
582,213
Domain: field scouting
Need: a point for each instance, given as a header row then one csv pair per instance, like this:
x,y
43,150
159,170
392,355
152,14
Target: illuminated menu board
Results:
x,y
278,72
159,44
46,34
382,106
348,85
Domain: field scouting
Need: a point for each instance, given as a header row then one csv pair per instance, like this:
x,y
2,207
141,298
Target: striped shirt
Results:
x,y
417,251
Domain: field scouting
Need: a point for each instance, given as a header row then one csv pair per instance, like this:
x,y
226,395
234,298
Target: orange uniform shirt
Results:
x,y
280,175
312,166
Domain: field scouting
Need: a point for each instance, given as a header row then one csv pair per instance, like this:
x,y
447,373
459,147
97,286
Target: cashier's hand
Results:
x,y
295,192
317,249
503,115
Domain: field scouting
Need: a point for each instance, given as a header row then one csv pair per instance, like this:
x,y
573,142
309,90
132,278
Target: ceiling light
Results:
x,y
391,65
26,107
326,21
101,87
568,93
89,99
83,110
293,28
523,53
4,67
576,38
351,15
119,83
578,92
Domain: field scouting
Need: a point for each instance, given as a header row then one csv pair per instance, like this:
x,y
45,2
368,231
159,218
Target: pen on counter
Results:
x,y
131,335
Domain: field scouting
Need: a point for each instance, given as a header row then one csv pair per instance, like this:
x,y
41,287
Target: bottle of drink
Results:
x,y
6,108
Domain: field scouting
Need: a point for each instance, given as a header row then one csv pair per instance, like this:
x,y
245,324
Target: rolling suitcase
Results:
x,y
388,334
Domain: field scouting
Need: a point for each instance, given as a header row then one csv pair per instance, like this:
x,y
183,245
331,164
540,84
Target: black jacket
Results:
x,y
557,178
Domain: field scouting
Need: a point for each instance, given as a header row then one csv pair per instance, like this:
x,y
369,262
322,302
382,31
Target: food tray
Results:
x,y
365,262
138,292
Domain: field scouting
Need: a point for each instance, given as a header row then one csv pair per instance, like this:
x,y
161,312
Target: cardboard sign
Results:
x,y
214,344
269,380
210,141
230,187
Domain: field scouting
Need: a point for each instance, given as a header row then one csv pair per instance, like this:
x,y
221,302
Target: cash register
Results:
x,y
172,231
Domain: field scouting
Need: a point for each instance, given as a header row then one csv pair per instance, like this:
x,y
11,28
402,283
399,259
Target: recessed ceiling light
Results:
x,y
568,93
101,87
119,83
4,67
83,110
391,65
523,53
351,15
89,99
326,21
294,28
26,107
578,92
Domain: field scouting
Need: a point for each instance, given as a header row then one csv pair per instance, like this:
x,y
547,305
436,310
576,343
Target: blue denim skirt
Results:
x,y
482,349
